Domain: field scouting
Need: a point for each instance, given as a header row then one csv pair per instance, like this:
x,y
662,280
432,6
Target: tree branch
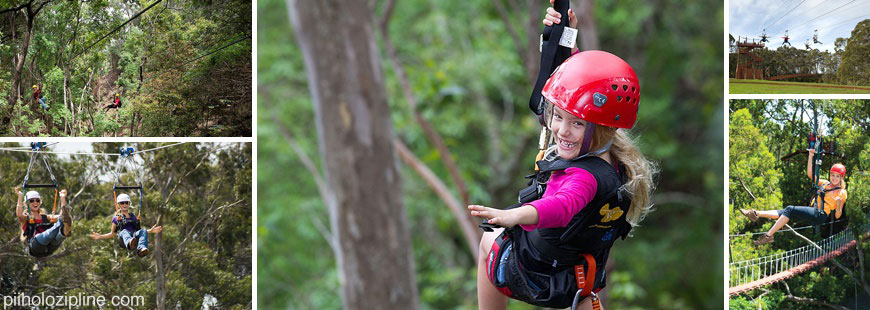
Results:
x,y
810,300
430,132
472,235
505,19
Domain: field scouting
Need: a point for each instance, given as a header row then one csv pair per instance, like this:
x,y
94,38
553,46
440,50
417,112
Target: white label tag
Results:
x,y
540,43
569,37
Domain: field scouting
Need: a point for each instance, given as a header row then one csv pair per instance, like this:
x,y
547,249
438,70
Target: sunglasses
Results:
x,y
124,202
33,200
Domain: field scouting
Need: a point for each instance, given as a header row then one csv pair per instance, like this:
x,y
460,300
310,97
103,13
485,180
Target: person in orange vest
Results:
x,y
116,103
833,191
37,96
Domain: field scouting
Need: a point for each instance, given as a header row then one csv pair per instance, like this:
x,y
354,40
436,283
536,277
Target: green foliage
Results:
x,y
200,192
150,62
855,69
736,86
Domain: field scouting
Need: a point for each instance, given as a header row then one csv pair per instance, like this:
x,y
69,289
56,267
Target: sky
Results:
x,y
833,18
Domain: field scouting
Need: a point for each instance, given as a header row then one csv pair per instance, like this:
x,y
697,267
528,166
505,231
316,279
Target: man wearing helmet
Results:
x,y
833,191
116,103
42,233
130,233
37,96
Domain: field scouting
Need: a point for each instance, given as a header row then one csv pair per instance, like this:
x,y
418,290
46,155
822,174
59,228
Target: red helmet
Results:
x,y
839,168
596,86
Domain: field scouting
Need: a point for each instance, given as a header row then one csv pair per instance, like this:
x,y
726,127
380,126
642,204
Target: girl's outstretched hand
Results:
x,y
94,236
503,218
156,229
554,17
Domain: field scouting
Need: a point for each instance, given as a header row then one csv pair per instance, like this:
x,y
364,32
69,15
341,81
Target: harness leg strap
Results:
x,y
586,283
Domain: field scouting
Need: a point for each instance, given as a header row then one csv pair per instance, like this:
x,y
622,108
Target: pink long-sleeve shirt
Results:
x,y
567,193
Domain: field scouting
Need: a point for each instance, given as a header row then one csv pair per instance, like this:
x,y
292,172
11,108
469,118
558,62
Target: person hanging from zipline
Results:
x,y
833,191
128,227
38,97
592,187
116,103
42,233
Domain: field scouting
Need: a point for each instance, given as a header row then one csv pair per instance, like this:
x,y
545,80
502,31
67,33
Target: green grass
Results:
x,y
755,87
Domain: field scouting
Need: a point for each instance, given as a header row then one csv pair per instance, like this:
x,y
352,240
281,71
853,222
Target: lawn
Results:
x,y
776,87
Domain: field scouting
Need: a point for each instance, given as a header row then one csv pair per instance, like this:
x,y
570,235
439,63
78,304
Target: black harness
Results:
x,y
123,221
544,271
31,227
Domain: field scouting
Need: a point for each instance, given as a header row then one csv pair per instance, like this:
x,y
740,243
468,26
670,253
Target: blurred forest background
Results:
x,y
182,68
457,77
768,162
199,193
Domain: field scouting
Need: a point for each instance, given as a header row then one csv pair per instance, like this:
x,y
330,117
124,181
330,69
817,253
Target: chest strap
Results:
x,y
585,283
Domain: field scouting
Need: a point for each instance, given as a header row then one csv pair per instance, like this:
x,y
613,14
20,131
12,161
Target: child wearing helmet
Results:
x,y
130,233
596,186
42,233
833,191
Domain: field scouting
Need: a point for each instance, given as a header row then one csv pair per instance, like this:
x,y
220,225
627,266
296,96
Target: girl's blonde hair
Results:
x,y
639,170
41,211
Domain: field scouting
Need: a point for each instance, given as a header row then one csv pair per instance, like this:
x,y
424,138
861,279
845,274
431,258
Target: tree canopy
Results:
x,y
181,68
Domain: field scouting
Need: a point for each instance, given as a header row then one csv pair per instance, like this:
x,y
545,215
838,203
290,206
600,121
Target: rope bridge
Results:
x,y
758,272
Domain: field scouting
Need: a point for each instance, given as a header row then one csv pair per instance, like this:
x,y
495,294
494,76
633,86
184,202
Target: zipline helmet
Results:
x,y
35,87
123,198
597,87
839,168
117,95
32,195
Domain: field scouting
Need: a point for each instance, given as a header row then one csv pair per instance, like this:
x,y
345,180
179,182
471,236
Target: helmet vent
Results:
x,y
632,89
624,87
618,98
628,99
614,87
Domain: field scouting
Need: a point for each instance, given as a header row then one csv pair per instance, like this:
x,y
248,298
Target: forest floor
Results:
x,y
771,87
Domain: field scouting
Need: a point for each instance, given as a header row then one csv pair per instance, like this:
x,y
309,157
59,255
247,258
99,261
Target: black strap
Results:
x,y
552,55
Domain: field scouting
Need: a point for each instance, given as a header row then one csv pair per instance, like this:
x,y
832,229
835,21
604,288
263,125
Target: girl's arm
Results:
x,y
810,163
54,218
108,235
525,215
19,213
841,200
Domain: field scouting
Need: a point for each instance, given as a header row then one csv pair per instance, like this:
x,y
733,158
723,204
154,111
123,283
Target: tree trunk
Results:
x,y
14,92
364,200
588,35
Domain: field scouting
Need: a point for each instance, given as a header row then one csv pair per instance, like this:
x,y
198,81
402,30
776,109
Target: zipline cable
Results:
x,y
786,13
765,24
88,154
161,72
117,28
820,16
792,229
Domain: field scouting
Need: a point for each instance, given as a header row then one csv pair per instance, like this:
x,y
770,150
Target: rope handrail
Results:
x,y
28,150
756,272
